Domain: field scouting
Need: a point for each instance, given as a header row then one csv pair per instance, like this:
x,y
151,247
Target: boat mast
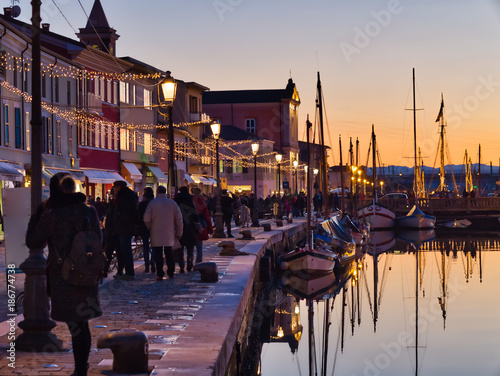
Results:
x,y
308,182
324,168
441,148
415,188
342,200
374,156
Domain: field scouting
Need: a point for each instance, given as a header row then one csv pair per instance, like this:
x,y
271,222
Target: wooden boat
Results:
x,y
416,219
312,261
377,216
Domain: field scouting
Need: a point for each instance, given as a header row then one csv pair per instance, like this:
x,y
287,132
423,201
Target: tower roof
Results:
x,y
97,17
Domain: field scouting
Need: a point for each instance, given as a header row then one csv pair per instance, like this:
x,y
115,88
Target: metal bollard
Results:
x,y
130,350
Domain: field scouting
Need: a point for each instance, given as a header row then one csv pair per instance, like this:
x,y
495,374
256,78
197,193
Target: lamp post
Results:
x,y
219,225
279,157
295,164
166,96
255,216
37,324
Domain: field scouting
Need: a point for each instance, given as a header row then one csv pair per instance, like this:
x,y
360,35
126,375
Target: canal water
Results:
x,y
412,304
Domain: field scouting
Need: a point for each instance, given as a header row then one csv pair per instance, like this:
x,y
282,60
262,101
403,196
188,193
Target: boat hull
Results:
x,y
377,217
311,261
417,220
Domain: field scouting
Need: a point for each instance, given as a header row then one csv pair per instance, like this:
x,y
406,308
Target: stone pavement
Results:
x,y
191,326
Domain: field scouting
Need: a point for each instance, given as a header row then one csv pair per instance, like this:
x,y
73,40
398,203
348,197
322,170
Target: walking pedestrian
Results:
x,y
111,240
201,207
126,219
143,232
163,219
56,222
227,211
189,216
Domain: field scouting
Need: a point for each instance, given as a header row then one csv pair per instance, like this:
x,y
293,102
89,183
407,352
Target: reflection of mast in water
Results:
x,y
444,289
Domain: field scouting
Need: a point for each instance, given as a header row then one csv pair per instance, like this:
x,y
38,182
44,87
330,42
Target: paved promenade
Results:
x,y
191,326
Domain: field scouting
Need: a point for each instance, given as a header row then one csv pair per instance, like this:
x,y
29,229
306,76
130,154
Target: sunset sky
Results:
x,y
364,50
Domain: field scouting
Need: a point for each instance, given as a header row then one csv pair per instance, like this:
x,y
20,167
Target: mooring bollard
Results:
x,y
130,350
208,271
267,226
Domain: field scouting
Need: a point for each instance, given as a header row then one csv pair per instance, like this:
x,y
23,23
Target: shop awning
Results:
x,y
9,172
102,177
76,174
213,181
46,176
189,179
135,174
200,179
158,173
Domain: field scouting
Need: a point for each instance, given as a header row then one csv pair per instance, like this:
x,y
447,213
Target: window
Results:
x,y
3,63
115,92
193,104
56,88
148,145
25,76
14,71
68,93
124,135
6,124
124,92
245,166
132,95
147,99
229,168
58,137
102,131
133,135
48,122
179,151
97,139
237,166
28,130
101,84
70,139
250,125
44,84
108,91
17,127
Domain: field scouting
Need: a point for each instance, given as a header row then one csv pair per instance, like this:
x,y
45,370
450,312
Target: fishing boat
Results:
x,y
376,215
416,218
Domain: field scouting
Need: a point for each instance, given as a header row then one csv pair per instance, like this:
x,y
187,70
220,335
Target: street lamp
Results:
x,y
37,325
219,224
295,164
279,157
255,216
166,96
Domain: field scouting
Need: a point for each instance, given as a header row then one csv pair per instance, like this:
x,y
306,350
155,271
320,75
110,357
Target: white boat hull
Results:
x,y
311,261
377,217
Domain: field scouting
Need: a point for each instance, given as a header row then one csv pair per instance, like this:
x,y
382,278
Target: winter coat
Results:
x,y
55,223
189,217
163,219
141,207
226,204
126,212
202,208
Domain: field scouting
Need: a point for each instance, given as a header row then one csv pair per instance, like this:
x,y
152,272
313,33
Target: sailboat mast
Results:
x,y
342,200
441,151
324,169
415,188
374,156
308,182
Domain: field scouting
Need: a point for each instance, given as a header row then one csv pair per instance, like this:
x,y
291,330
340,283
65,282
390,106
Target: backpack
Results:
x,y
85,263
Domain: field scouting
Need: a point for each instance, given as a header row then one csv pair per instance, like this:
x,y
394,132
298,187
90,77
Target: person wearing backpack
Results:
x,y
56,222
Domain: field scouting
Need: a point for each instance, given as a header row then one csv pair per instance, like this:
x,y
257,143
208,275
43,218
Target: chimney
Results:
x,y
7,12
45,26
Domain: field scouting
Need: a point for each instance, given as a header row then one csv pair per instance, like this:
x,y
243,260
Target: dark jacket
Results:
x,y
189,216
141,208
55,223
226,203
126,212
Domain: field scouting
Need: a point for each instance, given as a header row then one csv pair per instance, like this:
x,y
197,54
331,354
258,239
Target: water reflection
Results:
x,y
410,304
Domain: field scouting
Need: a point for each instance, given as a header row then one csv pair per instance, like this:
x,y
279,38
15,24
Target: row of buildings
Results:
x,y
102,120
